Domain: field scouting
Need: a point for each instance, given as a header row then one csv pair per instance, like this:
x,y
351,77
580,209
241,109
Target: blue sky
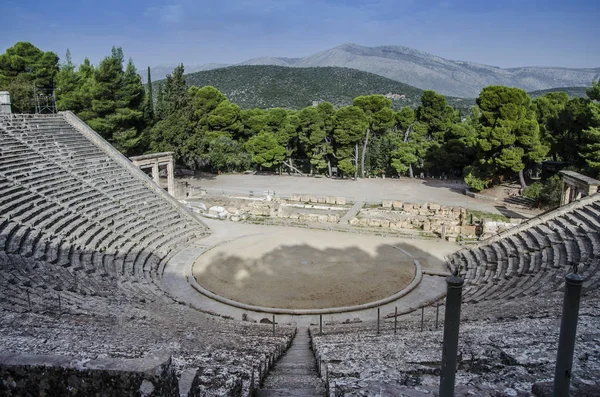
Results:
x,y
505,33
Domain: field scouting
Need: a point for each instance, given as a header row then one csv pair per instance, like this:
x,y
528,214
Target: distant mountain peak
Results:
x,y
427,71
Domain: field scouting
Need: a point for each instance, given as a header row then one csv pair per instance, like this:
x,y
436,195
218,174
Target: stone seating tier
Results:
x,y
534,260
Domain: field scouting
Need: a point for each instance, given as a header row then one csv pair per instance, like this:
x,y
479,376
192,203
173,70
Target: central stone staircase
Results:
x,y
295,374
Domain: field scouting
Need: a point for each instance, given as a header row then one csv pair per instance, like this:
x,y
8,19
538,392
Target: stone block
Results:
x,y
340,200
407,207
312,217
296,197
354,221
321,200
294,216
313,198
334,219
54,375
397,204
426,226
385,223
305,198
387,203
434,206
323,218
363,221
330,200
375,222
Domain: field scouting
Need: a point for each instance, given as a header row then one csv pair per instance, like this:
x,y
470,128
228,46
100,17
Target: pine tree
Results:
x,y
509,139
149,105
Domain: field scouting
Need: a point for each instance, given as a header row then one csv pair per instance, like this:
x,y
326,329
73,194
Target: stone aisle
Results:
x,y
295,374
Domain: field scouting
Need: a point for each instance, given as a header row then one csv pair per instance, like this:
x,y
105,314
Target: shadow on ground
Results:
x,y
301,276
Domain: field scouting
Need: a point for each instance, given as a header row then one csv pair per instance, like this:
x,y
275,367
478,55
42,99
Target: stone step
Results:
x,y
295,374
289,392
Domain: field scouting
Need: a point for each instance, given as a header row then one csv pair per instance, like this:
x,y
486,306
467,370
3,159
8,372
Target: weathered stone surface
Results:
x,y
296,197
397,204
330,200
60,376
322,199
340,200
387,203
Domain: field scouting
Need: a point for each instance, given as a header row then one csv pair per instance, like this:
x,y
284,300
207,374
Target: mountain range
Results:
x,y
422,70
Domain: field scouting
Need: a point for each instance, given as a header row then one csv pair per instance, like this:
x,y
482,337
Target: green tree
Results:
x,y
265,150
509,138
548,109
379,116
350,127
68,84
23,67
149,104
590,148
116,106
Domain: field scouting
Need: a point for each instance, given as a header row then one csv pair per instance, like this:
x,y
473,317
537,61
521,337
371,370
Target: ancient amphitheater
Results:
x,y
111,287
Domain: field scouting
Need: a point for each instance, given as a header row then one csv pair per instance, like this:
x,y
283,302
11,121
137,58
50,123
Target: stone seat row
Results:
x,y
535,260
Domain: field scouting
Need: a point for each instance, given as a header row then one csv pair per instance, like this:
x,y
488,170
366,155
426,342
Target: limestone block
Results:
x,y
387,203
354,221
364,221
451,239
407,207
313,198
305,198
416,206
232,210
385,223
427,226
334,219
468,230
323,218
397,204
321,199
296,197
434,206
312,218
330,200
215,210
374,222
396,225
423,211
294,216
235,218
340,200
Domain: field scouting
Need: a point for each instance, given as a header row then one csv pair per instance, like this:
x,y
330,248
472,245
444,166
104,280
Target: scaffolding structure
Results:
x,y
45,100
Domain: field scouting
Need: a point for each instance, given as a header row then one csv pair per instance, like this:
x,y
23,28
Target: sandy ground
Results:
x,y
306,269
374,190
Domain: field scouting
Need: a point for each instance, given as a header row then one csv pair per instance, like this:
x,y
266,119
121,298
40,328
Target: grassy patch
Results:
x,y
486,215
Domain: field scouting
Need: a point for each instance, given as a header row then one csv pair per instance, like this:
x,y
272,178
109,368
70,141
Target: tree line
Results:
x,y
503,136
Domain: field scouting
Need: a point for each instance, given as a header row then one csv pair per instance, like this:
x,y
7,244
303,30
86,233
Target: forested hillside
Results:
x,y
573,92
503,137
265,86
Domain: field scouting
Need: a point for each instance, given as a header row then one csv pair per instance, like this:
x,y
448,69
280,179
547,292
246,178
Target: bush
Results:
x,y
473,180
533,191
551,192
